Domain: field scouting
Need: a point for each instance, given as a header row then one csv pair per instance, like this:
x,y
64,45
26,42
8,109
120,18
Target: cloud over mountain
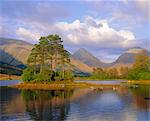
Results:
x,y
27,35
95,32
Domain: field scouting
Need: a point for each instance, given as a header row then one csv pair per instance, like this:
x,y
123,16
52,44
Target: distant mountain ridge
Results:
x,y
125,59
4,41
129,55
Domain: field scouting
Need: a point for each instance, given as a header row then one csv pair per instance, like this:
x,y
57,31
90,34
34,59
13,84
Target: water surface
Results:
x,y
75,105
103,81
9,82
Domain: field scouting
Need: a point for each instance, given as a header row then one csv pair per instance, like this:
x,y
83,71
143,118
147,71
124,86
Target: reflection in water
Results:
x,y
141,97
47,105
99,106
75,105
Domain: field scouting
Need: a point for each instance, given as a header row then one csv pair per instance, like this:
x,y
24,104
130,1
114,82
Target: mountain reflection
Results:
x,y
122,104
47,105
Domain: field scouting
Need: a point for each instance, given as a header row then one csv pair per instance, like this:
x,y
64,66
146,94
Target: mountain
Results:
x,y
128,57
13,55
17,52
125,59
9,59
10,65
87,58
19,49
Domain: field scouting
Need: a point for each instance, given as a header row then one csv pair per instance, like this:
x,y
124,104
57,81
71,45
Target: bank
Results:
x,y
61,85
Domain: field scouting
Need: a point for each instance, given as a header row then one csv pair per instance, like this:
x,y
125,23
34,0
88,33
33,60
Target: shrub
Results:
x,y
138,75
133,74
28,74
68,75
144,76
44,76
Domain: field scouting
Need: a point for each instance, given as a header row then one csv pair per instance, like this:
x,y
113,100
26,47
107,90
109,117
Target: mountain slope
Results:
x,y
128,57
87,58
9,60
83,67
9,64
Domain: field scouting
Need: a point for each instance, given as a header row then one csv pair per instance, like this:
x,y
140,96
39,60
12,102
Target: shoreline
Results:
x,y
62,86
138,82
72,85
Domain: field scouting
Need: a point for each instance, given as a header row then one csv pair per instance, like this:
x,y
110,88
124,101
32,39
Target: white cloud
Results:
x,y
95,32
91,32
27,35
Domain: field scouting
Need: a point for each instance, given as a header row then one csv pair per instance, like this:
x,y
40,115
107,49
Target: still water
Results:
x,y
9,82
75,105
103,81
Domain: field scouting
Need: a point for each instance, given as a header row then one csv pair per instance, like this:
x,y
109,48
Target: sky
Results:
x,y
106,28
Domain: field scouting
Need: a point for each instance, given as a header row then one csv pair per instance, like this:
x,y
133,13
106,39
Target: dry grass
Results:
x,y
7,77
138,82
61,85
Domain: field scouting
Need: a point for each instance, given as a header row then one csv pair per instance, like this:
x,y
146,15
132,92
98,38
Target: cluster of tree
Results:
x,y
140,70
141,67
48,61
112,73
99,73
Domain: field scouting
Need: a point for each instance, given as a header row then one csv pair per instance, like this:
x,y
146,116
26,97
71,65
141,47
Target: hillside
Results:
x,y
19,49
128,57
10,65
87,58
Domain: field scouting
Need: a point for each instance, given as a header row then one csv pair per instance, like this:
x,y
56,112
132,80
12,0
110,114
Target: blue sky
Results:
x,y
104,27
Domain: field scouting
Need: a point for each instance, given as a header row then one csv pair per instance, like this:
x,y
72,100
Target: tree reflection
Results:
x,y
47,105
141,96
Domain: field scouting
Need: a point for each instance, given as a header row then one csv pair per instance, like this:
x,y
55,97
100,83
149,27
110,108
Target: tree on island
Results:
x,y
48,61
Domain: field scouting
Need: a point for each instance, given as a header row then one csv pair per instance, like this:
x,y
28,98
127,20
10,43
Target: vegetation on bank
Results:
x,y
48,61
139,71
138,82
